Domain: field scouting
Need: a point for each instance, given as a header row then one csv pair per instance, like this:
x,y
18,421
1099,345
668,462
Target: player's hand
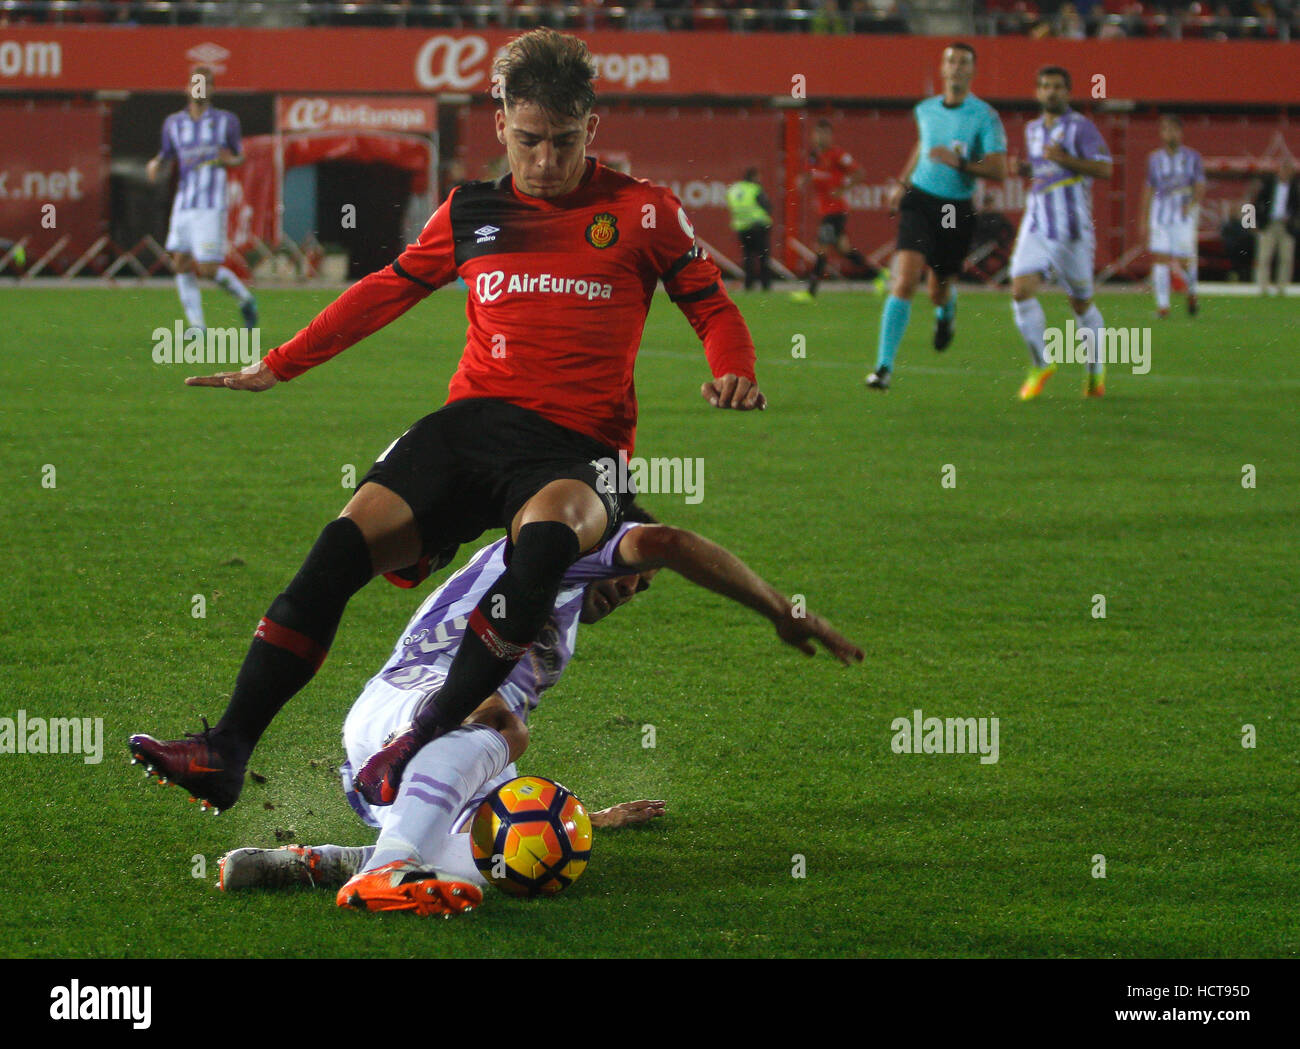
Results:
x,y
894,196
627,814
1020,166
151,169
733,391
945,155
801,630
1056,153
255,378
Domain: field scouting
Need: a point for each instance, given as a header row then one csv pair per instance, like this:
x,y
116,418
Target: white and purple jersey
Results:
x,y
195,145
1173,178
430,640
1059,206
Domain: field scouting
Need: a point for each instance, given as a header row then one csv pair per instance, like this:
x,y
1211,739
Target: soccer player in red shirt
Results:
x,y
831,171
561,257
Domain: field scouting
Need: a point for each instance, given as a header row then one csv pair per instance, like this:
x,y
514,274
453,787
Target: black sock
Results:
x,y
294,636
819,270
855,257
506,621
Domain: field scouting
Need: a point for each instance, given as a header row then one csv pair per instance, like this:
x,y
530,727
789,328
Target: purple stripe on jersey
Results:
x,y
468,578
1051,219
1072,210
197,144
419,795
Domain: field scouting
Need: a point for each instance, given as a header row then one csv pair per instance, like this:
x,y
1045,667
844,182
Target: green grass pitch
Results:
x,y
1120,737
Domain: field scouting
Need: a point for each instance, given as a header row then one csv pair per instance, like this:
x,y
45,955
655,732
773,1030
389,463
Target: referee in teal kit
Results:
x,y
960,138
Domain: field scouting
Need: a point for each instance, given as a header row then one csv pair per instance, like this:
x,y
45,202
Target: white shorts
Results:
x,y
380,711
1071,261
1177,239
199,232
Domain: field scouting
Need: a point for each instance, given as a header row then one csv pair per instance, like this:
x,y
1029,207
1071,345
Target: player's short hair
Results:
x,y
751,174
1173,118
552,70
825,122
961,45
1060,71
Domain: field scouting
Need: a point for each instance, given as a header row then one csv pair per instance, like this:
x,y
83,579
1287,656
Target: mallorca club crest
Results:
x,y
603,230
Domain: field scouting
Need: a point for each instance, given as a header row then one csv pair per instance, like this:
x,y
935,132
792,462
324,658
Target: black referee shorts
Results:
x,y
939,228
471,465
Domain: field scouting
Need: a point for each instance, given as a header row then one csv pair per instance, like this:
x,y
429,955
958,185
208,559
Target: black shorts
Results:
x,y
939,228
472,464
831,228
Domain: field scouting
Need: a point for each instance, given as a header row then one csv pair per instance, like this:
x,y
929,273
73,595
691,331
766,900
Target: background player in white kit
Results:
x,y
204,141
1171,201
1065,153
420,862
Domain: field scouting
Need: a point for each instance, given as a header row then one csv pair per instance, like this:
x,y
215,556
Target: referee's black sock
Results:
x,y
506,621
294,636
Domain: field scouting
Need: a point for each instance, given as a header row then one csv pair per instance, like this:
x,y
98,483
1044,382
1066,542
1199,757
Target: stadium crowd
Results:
x,y
1069,19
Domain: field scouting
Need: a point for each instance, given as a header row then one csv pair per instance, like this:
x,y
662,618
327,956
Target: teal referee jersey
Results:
x,y
972,129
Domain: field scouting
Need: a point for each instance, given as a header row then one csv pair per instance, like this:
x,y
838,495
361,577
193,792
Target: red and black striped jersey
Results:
x,y
559,290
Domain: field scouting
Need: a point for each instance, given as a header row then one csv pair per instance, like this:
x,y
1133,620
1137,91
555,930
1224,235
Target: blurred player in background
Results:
x,y
1277,218
1171,202
751,218
1065,153
562,269
831,171
204,141
420,862
960,139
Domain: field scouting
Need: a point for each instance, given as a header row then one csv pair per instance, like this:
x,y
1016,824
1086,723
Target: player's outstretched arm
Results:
x,y
694,284
734,391
371,303
627,814
255,378
716,568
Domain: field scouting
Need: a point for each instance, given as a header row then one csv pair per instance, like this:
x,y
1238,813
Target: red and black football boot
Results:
x,y
381,775
208,766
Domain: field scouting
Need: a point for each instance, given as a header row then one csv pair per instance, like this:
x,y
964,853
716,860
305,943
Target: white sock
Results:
x,y
1160,281
1190,271
227,281
352,858
1032,321
455,859
1092,320
437,783
187,287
